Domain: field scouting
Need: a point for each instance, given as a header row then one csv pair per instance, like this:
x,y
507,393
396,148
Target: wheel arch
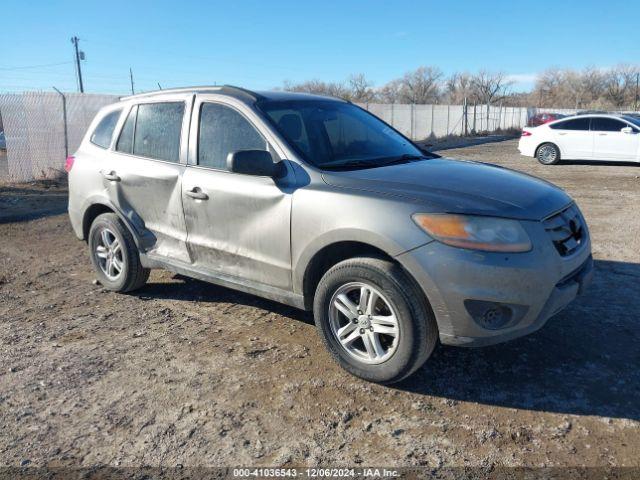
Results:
x,y
330,255
98,207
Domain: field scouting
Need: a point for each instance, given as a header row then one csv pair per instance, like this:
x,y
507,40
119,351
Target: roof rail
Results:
x,y
224,89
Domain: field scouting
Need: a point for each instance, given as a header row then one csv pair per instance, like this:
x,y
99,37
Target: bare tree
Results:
x,y
390,92
360,89
613,88
547,87
489,87
458,88
319,87
620,85
421,85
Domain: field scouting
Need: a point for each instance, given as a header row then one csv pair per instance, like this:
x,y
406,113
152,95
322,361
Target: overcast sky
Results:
x,y
258,44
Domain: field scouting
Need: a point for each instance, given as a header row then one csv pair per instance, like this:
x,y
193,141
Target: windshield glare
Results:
x,y
330,134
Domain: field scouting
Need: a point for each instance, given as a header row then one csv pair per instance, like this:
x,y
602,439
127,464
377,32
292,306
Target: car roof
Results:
x,y
239,93
589,115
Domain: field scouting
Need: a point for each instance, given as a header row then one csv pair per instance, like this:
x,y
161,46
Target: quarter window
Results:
x,y
103,133
574,124
223,130
603,124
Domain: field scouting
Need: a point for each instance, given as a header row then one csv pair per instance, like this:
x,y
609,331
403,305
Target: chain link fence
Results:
x,y
41,129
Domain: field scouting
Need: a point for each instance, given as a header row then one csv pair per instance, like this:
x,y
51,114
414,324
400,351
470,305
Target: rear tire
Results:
x,y
363,337
114,255
548,154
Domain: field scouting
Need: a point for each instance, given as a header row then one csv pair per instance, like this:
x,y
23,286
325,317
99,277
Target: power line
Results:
x,y
25,67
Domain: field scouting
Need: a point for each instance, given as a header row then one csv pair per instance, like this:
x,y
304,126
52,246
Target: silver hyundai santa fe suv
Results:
x,y
316,203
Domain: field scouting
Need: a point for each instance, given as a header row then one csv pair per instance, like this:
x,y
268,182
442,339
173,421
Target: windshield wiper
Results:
x,y
406,158
375,162
349,165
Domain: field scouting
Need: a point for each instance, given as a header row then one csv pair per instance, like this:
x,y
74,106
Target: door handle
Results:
x,y
111,176
562,133
602,134
197,193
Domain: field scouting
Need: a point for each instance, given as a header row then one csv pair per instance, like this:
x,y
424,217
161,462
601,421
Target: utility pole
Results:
x,y
635,103
131,78
79,56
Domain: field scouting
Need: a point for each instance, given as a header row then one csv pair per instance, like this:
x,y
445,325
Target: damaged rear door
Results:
x,y
144,176
238,225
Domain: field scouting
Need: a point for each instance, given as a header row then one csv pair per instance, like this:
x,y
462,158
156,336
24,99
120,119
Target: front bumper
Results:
x,y
537,284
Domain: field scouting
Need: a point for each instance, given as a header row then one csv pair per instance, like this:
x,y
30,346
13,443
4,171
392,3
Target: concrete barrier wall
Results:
x,y
420,122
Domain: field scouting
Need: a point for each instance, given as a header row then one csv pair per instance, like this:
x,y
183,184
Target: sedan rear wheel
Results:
x,y
548,154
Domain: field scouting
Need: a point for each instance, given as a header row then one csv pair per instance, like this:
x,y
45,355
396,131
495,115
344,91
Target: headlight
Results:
x,y
478,233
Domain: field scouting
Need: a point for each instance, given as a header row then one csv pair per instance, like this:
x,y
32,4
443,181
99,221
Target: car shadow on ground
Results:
x,y
583,361
190,289
599,163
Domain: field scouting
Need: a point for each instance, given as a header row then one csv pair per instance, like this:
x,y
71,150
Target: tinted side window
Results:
x,y
601,124
125,141
101,136
157,131
223,130
575,124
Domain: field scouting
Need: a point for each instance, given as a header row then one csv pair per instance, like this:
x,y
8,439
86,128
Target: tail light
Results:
x,y
68,164
525,133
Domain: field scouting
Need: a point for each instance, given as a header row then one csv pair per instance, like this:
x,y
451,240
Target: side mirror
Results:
x,y
251,162
627,130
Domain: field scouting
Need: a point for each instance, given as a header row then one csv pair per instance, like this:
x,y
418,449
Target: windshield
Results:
x,y
333,135
632,119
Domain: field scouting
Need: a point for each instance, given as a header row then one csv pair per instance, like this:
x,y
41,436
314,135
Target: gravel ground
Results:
x,y
183,372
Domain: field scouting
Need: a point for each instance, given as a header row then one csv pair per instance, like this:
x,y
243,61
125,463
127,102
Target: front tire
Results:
x,y
548,154
114,255
374,319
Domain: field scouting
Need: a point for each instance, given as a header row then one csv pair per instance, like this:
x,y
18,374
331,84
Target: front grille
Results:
x,y
566,229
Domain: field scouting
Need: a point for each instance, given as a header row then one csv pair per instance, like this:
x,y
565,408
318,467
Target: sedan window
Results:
x,y
604,124
574,124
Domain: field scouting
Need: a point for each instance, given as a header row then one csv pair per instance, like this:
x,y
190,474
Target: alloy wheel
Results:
x,y
364,322
547,154
109,254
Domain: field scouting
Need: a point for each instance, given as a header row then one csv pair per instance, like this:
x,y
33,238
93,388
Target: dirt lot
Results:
x,y
183,372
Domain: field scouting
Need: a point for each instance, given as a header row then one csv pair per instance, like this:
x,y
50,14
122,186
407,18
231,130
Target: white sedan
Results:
x,y
584,137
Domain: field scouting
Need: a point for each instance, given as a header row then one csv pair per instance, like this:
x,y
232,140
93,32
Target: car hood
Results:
x,y
455,186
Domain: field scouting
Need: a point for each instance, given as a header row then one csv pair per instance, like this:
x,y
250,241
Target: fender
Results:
x,y
374,239
142,237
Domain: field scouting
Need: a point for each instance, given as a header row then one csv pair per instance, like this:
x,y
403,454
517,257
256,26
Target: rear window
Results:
x,y
574,124
158,129
103,133
153,130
